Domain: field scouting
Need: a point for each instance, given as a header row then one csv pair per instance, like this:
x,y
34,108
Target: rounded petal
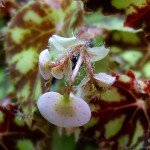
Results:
x,y
56,110
97,53
55,45
57,72
104,80
44,61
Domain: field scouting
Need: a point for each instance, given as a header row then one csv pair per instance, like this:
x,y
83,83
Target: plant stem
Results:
x,y
89,65
69,54
90,70
74,74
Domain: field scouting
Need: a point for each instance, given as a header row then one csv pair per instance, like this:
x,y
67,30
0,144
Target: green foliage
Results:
x,y
64,141
24,145
120,113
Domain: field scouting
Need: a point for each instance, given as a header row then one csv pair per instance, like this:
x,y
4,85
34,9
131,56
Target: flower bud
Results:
x,y
104,80
44,61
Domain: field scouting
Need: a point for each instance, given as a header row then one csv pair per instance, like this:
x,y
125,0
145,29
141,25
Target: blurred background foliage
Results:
x,y
120,115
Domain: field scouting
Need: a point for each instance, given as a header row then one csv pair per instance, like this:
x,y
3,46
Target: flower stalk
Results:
x,y
69,110
75,72
90,70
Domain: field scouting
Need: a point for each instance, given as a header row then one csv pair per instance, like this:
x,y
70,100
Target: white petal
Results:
x,y
55,45
44,61
68,42
97,53
53,107
67,70
57,72
104,80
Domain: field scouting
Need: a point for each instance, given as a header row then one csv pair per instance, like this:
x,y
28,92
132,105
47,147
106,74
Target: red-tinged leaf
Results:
x,y
105,5
7,8
126,39
137,12
14,131
139,18
121,114
58,4
130,50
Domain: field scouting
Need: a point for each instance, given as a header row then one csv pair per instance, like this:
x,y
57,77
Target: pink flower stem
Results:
x,y
74,74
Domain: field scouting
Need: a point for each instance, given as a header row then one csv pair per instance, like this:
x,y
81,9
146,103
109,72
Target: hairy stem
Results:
x,y
69,54
74,74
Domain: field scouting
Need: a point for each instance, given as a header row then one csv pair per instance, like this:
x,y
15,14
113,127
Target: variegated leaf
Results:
x,y
121,114
27,35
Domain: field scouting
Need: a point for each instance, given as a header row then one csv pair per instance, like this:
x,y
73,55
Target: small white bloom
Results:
x,y
86,86
104,80
66,43
97,53
63,70
60,45
63,112
44,61
57,72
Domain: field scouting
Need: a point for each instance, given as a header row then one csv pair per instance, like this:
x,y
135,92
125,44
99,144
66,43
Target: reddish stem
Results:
x,y
74,74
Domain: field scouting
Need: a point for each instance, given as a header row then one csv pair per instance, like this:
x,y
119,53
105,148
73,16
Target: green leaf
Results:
x,y
132,57
128,5
25,144
138,131
15,134
123,141
114,126
62,142
6,86
112,95
146,69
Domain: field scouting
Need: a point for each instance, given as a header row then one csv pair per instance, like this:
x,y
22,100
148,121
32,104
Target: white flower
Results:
x,y
63,70
64,111
44,62
102,79
60,51
60,45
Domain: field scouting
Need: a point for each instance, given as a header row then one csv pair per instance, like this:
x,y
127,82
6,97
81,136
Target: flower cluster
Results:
x,y
69,110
